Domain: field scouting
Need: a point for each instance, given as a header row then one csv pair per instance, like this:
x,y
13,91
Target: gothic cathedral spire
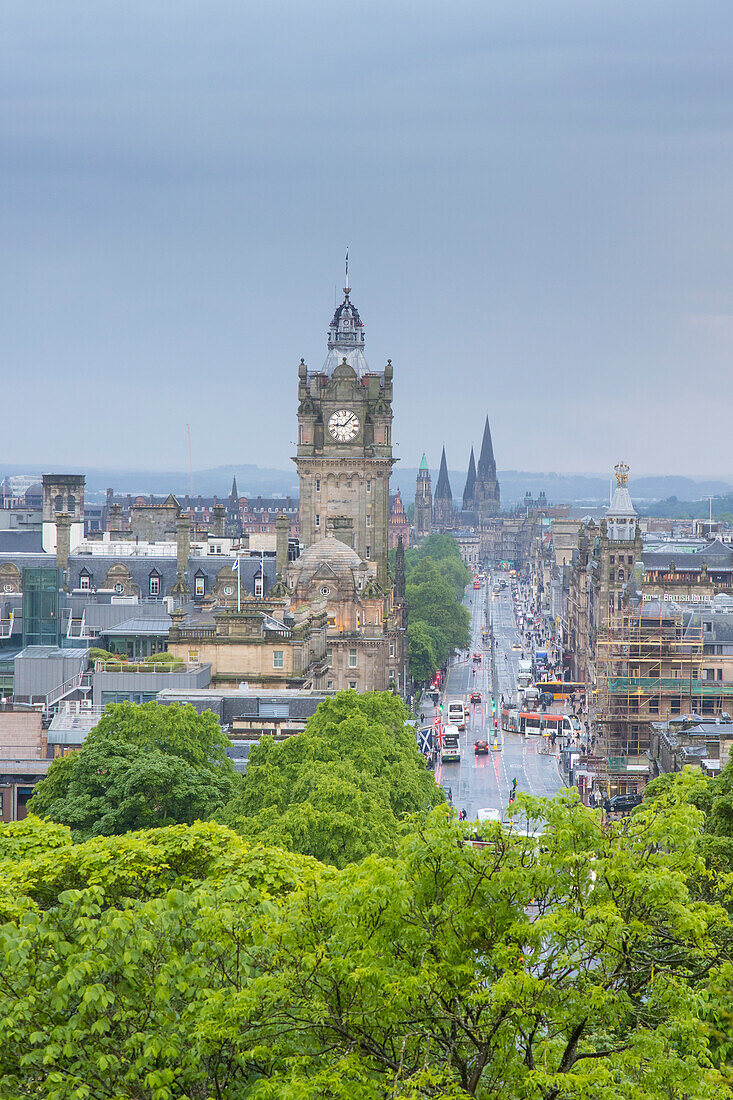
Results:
x,y
468,492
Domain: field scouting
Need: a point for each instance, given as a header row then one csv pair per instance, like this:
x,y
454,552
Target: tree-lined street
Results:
x,y
484,782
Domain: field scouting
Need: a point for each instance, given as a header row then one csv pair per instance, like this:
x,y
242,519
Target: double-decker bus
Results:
x,y
450,745
457,714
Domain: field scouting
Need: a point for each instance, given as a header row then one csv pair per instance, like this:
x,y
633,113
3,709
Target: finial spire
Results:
x,y
346,288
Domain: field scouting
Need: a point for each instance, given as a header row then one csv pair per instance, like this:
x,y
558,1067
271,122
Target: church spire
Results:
x,y
468,492
443,489
486,463
443,500
234,495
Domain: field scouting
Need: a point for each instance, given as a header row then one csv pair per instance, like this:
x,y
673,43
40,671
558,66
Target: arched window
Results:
x,y
58,502
71,503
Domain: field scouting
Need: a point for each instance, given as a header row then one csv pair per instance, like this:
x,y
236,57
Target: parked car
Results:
x,y
480,747
622,803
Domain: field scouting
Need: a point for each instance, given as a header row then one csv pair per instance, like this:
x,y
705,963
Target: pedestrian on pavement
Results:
x,y
422,716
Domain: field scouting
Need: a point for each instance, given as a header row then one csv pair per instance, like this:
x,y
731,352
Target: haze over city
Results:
x,y
535,198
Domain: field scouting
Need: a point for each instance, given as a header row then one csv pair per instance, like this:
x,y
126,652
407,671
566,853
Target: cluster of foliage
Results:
x,y
190,962
341,789
140,767
117,661
438,622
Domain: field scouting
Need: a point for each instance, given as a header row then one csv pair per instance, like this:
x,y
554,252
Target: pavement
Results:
x,y
484,782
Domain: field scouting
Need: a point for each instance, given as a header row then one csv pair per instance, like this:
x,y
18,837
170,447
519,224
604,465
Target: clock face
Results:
x,y
343,425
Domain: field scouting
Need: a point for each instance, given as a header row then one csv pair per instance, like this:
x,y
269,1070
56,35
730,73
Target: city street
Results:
x,y
483,782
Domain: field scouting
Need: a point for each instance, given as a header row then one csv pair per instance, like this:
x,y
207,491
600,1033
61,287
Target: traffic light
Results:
x,y
496,723
441,708
493,705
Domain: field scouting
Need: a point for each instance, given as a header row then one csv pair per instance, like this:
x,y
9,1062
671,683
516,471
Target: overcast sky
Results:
x,y
537,199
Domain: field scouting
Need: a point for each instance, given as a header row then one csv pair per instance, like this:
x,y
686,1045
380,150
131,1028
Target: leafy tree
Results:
x,y
339,790
140,767
178,730
421,650
436,579
576,969
185,963
431,602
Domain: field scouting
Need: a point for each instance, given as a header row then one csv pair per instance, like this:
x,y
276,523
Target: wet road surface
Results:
x,y
484,782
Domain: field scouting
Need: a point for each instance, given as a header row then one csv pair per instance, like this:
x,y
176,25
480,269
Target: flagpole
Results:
x,y
239,586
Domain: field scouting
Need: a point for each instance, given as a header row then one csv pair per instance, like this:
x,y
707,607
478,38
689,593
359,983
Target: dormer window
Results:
x,y
154,584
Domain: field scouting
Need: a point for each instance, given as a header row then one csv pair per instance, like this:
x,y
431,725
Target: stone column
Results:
x,y
282,528
217,523
63,543
114,520
183,544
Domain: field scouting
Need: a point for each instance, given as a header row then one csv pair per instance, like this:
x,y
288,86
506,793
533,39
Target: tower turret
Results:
x,y
423,501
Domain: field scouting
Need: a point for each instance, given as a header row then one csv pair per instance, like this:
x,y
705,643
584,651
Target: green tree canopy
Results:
x,y
436,579
339,789
584,966
422,650
140,767
431,602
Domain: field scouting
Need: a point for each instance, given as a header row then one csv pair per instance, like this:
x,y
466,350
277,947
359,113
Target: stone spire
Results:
x,y
399,569
443,499
443,489
486,491
486,463
468,492
233,522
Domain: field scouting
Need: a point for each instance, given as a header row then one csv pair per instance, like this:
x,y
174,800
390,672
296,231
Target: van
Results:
x,y
457,714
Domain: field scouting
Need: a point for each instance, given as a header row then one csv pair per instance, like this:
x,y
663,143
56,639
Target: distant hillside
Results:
x,y
674,508
267,481
251,480
570,488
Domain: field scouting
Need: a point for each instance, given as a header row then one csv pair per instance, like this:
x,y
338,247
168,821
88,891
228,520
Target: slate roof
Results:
x,y
716,556
23,542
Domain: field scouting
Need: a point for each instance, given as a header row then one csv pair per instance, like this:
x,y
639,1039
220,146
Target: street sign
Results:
x,y
617,763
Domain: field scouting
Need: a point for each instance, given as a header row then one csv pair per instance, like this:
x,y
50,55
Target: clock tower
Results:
x,y
344,454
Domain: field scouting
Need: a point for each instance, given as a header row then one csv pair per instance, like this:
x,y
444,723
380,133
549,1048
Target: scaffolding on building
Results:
x,y
648,668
